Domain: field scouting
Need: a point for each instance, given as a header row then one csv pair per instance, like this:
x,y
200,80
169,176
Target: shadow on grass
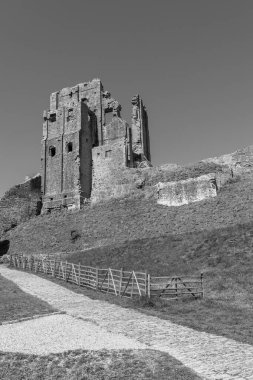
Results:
x,y
95,365
16,304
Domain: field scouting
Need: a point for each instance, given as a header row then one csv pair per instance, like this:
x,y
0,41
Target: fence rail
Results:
x,y
118,282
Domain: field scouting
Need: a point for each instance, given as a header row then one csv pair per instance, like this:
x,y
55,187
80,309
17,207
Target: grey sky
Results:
x,y
191,61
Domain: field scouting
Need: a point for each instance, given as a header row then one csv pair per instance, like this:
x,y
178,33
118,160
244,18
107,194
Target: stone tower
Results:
x,y
140,132
85,143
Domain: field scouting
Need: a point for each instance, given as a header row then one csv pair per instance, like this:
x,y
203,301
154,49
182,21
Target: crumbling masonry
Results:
x,y
85,142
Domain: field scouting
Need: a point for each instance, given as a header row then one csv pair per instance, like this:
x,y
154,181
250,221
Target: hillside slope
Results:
x,y
120,221
214,236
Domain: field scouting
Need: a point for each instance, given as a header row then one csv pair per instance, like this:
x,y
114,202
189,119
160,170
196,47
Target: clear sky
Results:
x,y
190,60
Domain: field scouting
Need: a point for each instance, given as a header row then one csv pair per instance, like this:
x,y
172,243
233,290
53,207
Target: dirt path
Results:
x,y
212,357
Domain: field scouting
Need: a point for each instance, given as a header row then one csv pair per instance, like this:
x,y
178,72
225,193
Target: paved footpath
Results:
x,y
212,357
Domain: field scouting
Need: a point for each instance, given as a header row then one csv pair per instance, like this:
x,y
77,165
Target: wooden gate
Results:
x,y
174,287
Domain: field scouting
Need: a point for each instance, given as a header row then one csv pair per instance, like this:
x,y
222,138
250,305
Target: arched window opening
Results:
x,y
52,151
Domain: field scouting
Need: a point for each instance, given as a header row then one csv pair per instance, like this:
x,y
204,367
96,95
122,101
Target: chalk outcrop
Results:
x,y
187,191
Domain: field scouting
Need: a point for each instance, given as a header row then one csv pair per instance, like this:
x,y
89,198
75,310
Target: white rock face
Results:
x,y
187,191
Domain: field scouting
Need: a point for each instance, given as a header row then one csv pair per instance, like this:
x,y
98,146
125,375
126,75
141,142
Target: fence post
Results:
x,y
79,274
176,289
120,281
201,280
66,271
54,267
97,278
146,282
149,281
132,289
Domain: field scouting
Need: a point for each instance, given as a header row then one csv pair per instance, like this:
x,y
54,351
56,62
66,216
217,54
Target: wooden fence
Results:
x,y
119,282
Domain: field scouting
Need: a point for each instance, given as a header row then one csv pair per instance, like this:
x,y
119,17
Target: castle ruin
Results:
x,y
85,142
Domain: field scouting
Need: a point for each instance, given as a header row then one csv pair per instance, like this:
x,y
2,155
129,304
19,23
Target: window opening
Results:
x,y
108,153
52,117
52,151
70,114
108,117
69,147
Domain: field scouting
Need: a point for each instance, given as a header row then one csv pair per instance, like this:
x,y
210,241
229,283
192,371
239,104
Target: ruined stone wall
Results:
x,y
98,101
20,203
140,131
68,135
114,130
184,192
84,150
87,92
108,162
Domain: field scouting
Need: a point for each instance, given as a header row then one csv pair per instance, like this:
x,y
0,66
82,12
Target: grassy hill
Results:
x,y
214,236
136,233
119,222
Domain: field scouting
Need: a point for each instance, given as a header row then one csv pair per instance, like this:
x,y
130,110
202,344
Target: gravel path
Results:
x,y
212,357
59,333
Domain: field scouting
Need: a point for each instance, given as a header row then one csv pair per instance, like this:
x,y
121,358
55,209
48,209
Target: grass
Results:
x,y
214,236
122,221
94,365
16,304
